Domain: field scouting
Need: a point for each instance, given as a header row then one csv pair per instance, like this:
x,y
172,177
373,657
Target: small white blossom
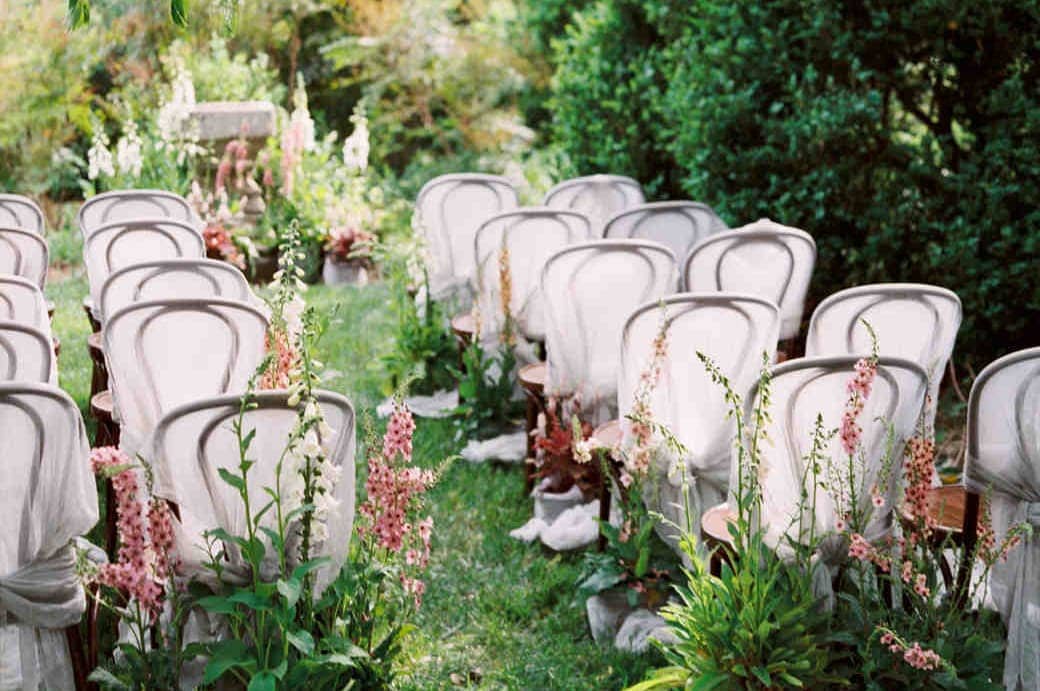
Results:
x,y
99,158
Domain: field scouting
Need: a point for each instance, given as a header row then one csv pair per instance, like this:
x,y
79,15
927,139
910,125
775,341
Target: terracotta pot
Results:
x,y
344,272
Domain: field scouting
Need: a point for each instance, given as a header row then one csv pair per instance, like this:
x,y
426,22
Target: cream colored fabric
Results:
x,y
597,196
24,253
133,205
735,332
17,211
676,225
763,258
913,321
590,289
26,354
448,212
1004,460
49,499
22,301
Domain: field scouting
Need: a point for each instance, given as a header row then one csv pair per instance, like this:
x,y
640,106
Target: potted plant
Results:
x,y
348,252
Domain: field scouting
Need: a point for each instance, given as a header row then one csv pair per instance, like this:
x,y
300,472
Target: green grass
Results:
x,y
498,614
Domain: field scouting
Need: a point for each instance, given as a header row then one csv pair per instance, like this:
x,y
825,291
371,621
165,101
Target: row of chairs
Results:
x,y
179,337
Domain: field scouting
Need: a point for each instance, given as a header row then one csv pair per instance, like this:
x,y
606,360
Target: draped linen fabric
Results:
x,y
597,196
117,245
801,389
175,278
448,212
49,499
590,289
735,331
193,442
17,211
763,258
22,301
676,225
1004,460
24,253
26,354
133,205
164,353
529,237
913,321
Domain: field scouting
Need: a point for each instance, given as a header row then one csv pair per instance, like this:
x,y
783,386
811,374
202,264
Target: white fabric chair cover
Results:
x,y
589,290
802,389
676,225
26,354
448,212
49,498
912,320
18,211
164,353
762,258
22,301
117,245
175,278
597,196
134,205
734,331
531,236
24,253
1004,457
193,441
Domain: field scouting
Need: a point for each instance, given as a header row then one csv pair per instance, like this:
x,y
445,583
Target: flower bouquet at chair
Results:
x,y
348,256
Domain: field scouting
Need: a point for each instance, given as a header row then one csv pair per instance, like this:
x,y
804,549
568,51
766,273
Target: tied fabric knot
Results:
x,y
1021,667
1031,513
45,593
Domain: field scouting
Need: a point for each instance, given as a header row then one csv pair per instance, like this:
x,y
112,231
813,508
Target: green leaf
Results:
x,y
234,480
251,599
79,13
290,590
217,604
111,681
302,640
226,655
264,680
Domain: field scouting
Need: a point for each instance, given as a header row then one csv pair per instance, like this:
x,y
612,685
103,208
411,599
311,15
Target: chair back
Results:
x,y
22,301
526,238
763,258
24,253
676,225
26,354
133,205
448,212
19,211
597,196
589,290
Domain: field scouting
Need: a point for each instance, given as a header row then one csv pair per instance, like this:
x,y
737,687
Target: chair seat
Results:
x,y
946,508
715,524
101,405
532,377
608,434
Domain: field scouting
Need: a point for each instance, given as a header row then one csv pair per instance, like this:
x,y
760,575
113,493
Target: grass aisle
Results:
x,y
498,613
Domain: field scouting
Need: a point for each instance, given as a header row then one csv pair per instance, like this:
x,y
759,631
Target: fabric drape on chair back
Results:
x,y
17,211
49,498
22,301
597,196
26,354
735,331
24,253
676,225
192,443
801,390
132,205
529,236
763,258
590,289
912,320
448,212
1004,460
175,278
164,353
117,245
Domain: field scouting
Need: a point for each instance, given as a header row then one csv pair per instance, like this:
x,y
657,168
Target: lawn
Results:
x,y
498,613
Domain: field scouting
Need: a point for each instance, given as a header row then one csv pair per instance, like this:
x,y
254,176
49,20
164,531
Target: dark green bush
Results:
x,y
903,136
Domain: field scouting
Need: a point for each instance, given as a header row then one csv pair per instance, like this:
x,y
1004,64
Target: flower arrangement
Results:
x,y
563,452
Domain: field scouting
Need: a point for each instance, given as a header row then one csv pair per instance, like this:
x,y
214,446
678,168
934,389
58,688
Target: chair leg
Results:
x,y
534,404
79,662
111,531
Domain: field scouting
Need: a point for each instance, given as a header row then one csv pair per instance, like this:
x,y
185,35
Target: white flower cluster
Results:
x,y
178,130
356,146
99,158
128,152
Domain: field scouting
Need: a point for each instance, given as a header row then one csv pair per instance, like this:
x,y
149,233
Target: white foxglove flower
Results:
x,y
99,158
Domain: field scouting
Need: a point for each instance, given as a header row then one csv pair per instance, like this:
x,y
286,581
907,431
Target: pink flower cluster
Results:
x,y
639,457
915,656
236,157
145,559
294,140
862,550
859,388
278,375
393,490
219,242
919,468
988,550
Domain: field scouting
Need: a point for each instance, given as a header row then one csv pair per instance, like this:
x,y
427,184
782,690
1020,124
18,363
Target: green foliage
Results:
x,y
902,136
487,381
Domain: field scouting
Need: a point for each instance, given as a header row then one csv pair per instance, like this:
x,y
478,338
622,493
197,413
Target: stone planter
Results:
x,y
344,272
549,505
613,620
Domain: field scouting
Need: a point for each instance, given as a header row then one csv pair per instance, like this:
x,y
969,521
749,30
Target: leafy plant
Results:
x,y
486,384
